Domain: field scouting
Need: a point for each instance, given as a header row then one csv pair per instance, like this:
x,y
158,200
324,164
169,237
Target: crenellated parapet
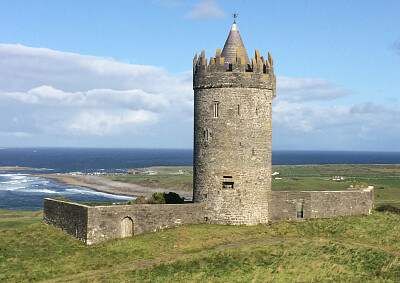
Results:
x,y
215,74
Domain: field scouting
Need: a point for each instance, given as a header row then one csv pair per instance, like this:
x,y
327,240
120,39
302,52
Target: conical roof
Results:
x,y
232,43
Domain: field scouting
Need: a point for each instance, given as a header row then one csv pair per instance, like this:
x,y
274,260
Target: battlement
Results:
x,y
217,73
258,64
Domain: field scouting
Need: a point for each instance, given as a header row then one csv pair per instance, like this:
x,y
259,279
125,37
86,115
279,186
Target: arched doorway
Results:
x,y
126,227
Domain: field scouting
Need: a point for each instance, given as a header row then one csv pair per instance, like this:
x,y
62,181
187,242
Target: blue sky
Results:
x,y
118,73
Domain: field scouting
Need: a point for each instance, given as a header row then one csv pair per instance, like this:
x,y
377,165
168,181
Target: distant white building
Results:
x,y
149,173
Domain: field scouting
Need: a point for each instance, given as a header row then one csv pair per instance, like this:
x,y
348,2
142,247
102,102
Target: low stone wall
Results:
x,y
99,223
105,222
96,224
283,205
69,217
319,204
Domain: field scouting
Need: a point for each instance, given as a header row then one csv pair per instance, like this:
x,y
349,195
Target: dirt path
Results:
x,y
104,184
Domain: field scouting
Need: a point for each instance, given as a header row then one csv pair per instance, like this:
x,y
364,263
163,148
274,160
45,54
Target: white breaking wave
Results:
x,y
13,182
15,176
23,189
11,188
7,175
10,182
21,182
46,191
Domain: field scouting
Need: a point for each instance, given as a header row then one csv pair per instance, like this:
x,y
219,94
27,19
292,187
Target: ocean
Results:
x,y
19,190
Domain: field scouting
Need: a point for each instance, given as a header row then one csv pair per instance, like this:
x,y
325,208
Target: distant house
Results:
x,y
149,173
337,178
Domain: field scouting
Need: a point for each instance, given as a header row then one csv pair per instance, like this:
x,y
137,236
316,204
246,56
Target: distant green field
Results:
x,y
343,249
16,218
385,178
167,181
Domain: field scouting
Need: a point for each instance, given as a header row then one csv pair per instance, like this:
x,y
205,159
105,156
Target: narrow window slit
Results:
x,y
216,109
206,135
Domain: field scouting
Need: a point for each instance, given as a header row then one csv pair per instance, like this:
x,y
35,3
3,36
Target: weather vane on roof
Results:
x,y
234,17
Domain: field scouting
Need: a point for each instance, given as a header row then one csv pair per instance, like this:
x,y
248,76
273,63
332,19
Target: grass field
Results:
x,y
385,178
167,178
15,218
343,249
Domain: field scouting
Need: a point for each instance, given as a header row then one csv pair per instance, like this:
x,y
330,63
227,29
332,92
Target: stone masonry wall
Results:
x,y
104,222
69,217
232,139
320,204
330,204
282,205
233,148
96,224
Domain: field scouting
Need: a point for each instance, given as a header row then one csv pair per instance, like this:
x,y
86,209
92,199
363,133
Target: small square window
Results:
x,y
227,182
227,185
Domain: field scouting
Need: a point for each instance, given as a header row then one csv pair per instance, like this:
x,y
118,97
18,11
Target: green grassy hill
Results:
x,y
343,249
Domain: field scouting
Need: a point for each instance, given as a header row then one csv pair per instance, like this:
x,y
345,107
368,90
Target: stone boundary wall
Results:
x,y
96,224
99,223
104,222
319,204
68,216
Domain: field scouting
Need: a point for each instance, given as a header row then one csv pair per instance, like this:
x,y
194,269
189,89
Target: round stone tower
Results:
x,y
232,133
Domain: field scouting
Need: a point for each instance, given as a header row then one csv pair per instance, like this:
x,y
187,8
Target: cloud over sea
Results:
x,y
54,98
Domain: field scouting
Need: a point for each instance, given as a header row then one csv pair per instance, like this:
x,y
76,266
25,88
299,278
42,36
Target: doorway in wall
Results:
x,y
299,210
126,227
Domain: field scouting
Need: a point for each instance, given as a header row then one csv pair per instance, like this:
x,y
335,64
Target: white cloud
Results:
x,y
70,94
206,10
107,122
63,99
366,126
24,68
301,122
14,134
133,99
308,89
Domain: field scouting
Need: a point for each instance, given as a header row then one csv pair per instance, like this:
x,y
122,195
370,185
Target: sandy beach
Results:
x,y
103,184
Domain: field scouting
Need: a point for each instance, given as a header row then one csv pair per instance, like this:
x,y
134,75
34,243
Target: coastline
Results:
x,y
17,168
103,184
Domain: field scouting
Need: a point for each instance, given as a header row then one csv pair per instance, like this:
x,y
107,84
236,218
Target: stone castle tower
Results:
x,y
232,133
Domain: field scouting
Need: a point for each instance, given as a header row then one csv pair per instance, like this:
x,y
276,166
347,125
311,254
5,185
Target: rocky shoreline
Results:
x,y
104,184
